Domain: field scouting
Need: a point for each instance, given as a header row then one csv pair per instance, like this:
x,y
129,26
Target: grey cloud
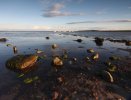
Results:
x,y
55,10
108,21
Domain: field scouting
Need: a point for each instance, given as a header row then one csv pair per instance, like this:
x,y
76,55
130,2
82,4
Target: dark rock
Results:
x,y
21,62
78,40
99,41
47,38
3,39
15,50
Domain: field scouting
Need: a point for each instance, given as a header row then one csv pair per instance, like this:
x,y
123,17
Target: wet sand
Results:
x,y
78,78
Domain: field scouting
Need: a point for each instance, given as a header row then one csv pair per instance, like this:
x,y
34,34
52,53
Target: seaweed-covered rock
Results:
x,y
21,61
3,39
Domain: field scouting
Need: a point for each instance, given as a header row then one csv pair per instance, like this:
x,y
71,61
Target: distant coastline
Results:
x,y
70,31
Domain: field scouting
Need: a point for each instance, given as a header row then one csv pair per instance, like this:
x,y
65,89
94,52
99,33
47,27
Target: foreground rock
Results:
x,y
3,39
21,62
57,61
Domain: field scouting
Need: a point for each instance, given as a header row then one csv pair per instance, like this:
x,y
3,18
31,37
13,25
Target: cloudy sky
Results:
x,y
65,15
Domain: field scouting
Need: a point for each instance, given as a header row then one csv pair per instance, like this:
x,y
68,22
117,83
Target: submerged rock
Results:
x,y
114,58
57,61
21,62
99,41
112,68
3,39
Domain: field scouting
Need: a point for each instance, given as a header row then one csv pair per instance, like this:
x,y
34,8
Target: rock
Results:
x,y
95,56
55,95
107,76
65,56
3,39
15,50
21,62
112,68
47,38
39,51
128,43
54,46
74,59
90,51
30,80
78,40
108,63
114,58
60,79
9,45
57,61
99,41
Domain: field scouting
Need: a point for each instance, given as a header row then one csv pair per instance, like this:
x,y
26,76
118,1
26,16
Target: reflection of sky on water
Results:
x,y
27,45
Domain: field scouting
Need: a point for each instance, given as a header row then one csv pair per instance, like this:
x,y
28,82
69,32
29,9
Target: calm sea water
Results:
x,y
114,35
26,43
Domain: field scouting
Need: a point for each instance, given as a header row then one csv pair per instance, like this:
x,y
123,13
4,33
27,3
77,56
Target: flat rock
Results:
x,y
21,61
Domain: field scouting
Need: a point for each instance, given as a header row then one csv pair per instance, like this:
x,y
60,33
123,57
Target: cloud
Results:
x,y
107,21
55,10
60,1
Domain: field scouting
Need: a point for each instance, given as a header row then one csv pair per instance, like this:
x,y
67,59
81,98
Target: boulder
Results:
x,y
21,62
3,39
99,41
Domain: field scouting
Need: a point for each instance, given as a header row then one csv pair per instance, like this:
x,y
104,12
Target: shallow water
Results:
x,y
13,87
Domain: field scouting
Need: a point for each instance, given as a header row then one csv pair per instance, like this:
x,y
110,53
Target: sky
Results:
x,y
65,15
